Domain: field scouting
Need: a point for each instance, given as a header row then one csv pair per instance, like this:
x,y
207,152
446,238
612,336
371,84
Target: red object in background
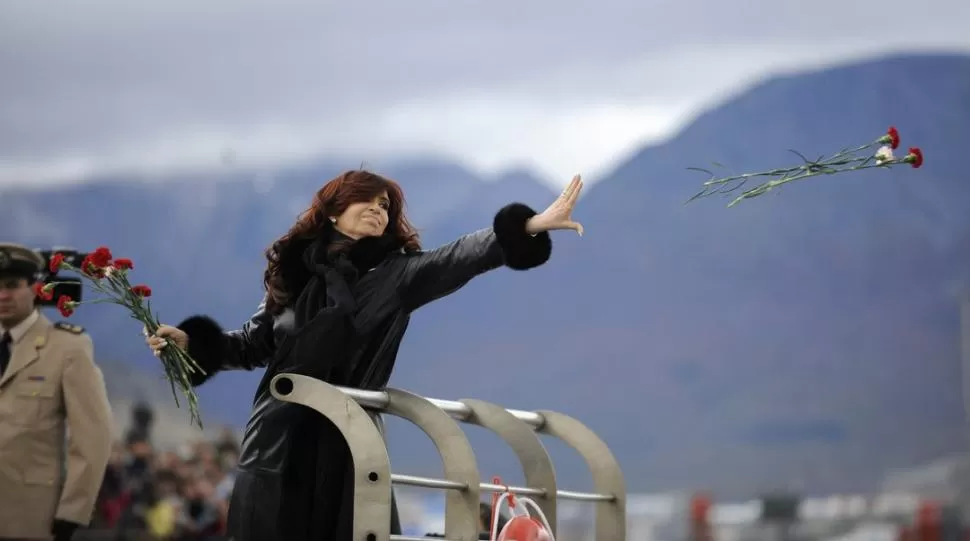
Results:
x,y
522,528
906,533
928,513
928,522
700,508
111,509
700,522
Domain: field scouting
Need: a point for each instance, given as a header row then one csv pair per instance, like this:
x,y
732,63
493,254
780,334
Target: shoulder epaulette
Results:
x,y
69,327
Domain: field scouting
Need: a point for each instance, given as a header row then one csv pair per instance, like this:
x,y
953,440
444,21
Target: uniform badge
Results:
x,y
69,327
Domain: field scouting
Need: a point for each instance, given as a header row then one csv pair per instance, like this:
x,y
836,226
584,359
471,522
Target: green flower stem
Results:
x,y
843,161
176,362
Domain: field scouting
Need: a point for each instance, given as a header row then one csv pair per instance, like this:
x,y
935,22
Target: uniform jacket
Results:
x,y
50,385
345,328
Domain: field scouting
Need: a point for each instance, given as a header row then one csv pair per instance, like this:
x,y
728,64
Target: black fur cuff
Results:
x,y
207,346
522,251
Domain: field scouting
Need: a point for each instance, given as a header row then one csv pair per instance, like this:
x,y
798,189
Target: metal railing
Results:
x,y
438,419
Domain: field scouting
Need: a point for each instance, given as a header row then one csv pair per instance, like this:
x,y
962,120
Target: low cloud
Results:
x,y
108,86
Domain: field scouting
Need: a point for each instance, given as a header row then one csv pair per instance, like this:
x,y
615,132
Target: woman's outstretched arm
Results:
x,y
250,347
430,275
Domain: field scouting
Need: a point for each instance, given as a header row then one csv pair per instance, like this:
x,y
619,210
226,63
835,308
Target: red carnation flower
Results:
x,y
844,161
90,267
101,257
117,289
44,291
914,158
66,305
56,261
141,290
892,137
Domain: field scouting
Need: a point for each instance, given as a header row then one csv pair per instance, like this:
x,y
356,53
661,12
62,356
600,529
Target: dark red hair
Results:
x,y
332,200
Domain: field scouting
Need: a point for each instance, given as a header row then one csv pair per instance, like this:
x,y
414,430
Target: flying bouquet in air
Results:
x,y
845,160
109,277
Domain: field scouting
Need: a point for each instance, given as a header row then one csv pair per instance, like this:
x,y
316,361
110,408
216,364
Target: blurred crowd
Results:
x,y
150,494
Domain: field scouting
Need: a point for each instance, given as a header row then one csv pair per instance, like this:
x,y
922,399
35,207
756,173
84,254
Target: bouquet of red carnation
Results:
x,y
848,159
109,277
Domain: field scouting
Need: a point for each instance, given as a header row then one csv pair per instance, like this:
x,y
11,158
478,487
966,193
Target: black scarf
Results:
x,y
332,264
321,328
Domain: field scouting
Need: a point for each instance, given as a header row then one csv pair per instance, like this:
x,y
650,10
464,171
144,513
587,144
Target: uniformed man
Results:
x,y
48,382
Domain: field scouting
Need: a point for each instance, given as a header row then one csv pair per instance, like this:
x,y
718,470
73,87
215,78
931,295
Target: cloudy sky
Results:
x,y
562,86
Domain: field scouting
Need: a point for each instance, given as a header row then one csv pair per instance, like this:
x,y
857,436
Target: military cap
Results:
x,y
19,260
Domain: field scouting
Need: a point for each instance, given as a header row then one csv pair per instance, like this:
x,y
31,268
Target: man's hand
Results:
x,y
63,530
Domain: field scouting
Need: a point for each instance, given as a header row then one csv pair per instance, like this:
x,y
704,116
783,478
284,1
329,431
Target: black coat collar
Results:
x,y
334,249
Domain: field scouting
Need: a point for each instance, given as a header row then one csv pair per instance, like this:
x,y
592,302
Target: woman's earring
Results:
x,y
333,220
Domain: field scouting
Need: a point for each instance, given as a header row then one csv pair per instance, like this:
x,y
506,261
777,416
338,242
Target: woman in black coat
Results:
x,y
340,287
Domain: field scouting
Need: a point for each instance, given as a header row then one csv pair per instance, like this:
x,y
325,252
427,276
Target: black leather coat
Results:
x,y
296,471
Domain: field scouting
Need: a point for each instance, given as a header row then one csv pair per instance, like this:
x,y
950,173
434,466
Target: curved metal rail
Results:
x,y
438,419
372,467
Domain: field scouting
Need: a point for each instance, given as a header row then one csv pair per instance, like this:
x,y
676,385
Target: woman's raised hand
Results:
x,y
165,334
559,213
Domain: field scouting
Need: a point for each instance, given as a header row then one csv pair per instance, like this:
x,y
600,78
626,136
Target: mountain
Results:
x,y
810,336
804,341
199,240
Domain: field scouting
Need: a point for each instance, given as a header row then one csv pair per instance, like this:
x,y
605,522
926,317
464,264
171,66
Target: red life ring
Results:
x,y
523,528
